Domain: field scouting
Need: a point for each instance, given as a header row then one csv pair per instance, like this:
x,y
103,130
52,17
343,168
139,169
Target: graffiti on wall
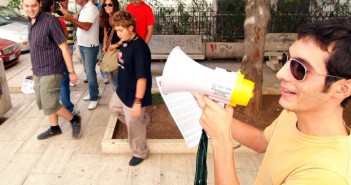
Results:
x,y
223,49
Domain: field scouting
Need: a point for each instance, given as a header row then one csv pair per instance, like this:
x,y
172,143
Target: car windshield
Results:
x,y
7,13
3,21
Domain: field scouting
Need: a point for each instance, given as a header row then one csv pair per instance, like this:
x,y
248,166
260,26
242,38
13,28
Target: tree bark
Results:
x,y
255,27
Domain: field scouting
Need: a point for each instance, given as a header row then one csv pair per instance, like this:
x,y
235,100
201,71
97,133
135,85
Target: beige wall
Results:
x,y
4,2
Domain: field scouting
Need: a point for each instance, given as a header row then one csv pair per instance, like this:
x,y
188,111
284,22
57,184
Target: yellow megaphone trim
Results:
x,y
242,91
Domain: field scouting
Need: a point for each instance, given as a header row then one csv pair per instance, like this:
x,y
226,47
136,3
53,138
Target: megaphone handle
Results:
x,y
201,166
217,101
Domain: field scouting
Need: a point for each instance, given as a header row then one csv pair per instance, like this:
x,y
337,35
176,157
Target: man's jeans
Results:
x,y
71,50
99,57
65,92
89,55
113,77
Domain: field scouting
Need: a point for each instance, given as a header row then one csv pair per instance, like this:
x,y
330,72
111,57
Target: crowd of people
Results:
x,y
308,143
52,44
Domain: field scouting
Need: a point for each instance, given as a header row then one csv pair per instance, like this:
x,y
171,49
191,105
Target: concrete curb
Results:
x,y
161,146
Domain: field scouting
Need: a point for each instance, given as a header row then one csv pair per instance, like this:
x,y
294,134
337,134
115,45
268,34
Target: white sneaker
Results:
x,y
92,105
86,98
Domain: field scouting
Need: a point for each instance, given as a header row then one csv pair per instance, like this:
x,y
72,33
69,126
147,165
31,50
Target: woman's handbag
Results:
x,y
109,62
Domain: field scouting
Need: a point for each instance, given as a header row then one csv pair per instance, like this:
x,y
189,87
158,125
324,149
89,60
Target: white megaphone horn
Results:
x,y
182,74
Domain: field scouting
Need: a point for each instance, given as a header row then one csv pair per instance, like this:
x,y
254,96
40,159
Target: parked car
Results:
x,y
9,52
13,16
15,32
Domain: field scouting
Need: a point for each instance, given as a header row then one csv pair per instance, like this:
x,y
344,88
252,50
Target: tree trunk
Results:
x,y
255,26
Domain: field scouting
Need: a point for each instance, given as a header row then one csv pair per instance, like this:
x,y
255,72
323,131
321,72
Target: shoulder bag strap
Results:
x,y
110,38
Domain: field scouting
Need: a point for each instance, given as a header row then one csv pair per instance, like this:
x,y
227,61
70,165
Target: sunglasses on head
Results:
x,y
109,4
298,69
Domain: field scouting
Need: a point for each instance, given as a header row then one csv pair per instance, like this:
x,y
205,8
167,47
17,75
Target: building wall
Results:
x,y
4,2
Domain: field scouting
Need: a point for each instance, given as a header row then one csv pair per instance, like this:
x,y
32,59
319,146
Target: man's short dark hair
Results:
x,y
334,33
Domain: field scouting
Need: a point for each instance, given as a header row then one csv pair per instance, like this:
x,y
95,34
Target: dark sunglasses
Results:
x,y
298,70
109,4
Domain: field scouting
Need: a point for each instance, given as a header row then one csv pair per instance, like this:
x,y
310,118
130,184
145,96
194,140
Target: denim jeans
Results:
x,y
71,49
113,78
89,55
99,57
65,93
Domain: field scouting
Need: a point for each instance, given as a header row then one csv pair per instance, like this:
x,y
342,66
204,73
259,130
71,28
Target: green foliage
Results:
x,y
232,6
226,24
230,14
157,99
290,14
15,5
181,19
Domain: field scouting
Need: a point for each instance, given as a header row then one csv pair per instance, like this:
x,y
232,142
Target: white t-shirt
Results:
x,y
90,38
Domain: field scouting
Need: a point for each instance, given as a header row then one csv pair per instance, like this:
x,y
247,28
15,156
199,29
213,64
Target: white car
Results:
x,y
15,32
13,16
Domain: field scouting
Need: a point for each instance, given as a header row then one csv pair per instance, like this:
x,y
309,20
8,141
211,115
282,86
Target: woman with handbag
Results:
x,y
111,40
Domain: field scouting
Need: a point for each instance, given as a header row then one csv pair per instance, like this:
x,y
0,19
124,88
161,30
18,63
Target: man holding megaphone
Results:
x,y
309,142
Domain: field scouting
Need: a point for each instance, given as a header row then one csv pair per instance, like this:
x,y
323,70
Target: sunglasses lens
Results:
x,y
110,5
297,70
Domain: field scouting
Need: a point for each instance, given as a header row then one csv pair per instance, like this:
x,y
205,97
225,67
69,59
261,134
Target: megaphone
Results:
x,y
182,74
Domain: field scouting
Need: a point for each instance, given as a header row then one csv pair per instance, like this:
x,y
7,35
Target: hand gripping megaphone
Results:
x,y
182,74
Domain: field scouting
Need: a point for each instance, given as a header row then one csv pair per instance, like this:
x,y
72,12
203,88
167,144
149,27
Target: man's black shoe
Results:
x,y
49,133
76,126
135,161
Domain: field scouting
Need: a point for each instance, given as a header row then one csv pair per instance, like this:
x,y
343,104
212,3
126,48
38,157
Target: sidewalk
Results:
x,y
63,160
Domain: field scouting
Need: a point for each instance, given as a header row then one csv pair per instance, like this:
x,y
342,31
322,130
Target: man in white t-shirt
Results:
x,y
88,43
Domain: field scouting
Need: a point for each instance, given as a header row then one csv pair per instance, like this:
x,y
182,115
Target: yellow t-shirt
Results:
x,y
293,158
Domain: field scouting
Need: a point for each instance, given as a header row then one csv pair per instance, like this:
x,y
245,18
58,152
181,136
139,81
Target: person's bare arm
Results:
x,y
150,31
104,48
217,122
82,25
249,136
139,95
68,17
244,133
